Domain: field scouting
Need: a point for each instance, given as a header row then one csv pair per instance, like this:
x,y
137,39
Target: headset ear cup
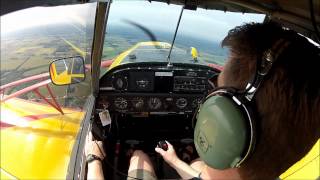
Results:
x,y
221,132
221,107
214,92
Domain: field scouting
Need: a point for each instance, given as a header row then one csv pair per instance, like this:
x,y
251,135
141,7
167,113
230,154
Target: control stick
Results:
x,y
163,145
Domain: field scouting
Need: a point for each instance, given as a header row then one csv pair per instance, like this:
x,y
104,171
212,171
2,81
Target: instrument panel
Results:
x,y
155,89
153,103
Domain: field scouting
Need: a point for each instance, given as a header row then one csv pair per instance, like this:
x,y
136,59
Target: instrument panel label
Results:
x,y
168,74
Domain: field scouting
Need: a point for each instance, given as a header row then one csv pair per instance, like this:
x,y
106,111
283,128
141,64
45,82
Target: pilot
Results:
x,y
273,69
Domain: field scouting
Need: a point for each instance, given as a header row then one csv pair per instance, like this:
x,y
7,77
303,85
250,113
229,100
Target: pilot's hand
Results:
x,y
170,155
94,147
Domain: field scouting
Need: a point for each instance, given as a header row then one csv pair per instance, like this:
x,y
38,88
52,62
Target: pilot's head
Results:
x,y
287,102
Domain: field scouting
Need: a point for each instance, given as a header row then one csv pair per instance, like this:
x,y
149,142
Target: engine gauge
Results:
x,y
154,103
137,102
120,103
120,83
181,103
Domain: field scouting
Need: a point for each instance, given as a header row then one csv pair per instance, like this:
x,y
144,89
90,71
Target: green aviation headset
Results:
x,y
225,134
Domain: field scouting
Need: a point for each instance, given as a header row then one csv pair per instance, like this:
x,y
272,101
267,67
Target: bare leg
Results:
x,y
140,160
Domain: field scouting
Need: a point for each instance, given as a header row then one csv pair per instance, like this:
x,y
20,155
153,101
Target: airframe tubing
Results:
x,y
31,78
25,90
216,66
53,104
35,87
105,63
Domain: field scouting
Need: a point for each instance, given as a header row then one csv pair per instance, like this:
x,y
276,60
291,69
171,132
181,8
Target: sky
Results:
x,y
202,23
42,16
156,16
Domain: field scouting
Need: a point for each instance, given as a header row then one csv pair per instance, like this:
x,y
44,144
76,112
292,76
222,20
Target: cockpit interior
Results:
x,y
143,103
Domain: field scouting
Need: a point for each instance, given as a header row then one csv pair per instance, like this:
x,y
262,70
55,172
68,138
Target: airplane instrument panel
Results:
x,y
155,89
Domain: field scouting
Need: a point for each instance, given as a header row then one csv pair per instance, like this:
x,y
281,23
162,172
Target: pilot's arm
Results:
x,y
95,154
183,169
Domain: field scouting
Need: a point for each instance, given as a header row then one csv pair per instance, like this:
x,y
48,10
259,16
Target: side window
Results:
x,y
40,121
32,38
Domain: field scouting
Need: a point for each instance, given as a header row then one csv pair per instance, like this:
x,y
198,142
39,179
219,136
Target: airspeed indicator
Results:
x,y
154,103
181,103
120,103
137,102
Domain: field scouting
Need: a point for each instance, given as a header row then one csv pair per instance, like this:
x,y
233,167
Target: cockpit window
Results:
x,y
146,36
32,38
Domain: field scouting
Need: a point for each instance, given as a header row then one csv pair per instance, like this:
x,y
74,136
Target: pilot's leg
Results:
x,y
141,166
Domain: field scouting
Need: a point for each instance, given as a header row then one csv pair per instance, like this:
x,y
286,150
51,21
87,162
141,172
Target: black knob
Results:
x,y
163,145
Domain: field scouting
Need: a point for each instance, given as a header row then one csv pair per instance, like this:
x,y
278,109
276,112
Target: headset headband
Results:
x,y
263,67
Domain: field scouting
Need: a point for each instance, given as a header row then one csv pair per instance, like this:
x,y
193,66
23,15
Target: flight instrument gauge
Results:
x,y
137,102
120,83
181,103
120,103
154,103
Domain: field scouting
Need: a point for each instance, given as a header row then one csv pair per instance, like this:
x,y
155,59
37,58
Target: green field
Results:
x,y
23,57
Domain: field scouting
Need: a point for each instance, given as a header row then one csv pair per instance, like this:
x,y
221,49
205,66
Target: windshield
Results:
x,y
146,36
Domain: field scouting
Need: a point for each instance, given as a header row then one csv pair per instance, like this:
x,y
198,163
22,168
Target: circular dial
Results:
x,y
120,103
137,102
181,103
196,102
120,83
154,103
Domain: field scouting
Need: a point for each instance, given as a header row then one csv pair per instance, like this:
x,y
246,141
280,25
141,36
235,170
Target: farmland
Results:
x,y
28,53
